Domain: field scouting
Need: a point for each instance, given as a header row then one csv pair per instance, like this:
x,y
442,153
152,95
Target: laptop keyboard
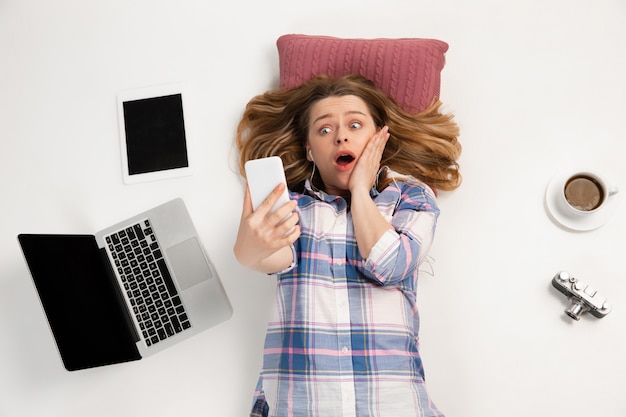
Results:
x,y
148,284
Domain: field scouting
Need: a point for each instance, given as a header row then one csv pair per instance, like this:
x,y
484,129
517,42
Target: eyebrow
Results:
x,y
348,113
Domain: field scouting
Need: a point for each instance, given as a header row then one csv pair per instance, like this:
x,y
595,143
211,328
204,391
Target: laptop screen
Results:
x,y
81,300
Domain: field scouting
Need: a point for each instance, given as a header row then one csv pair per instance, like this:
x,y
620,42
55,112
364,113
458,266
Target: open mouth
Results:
x,y
344,159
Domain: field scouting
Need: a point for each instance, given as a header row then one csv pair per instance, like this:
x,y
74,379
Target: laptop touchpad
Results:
x,y
189,263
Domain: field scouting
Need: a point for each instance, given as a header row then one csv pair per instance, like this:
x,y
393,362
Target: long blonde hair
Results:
x,y
423,145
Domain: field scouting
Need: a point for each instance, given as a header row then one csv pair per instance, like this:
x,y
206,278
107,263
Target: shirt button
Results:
x,y
339,262
345,349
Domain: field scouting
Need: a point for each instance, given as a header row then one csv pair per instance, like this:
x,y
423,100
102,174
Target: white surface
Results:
x,y
536,86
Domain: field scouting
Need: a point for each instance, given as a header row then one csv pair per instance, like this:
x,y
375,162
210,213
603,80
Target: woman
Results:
x,y
347,247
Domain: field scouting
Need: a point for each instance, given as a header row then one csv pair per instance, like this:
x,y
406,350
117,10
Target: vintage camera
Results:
x,y
584,298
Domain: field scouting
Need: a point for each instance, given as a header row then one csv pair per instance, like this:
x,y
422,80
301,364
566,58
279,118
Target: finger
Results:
x,y
386,134
285,232
267,204
383,137
377,144
292,222
247,202
288,225
283,211
293,234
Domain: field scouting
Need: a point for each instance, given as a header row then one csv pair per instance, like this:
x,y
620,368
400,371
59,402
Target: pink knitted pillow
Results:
x,y
407,69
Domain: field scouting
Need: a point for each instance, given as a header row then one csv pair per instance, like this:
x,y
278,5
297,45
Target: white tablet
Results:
x,y
154,142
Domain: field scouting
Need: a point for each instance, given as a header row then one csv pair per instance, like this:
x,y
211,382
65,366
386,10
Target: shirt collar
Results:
x,y
323,196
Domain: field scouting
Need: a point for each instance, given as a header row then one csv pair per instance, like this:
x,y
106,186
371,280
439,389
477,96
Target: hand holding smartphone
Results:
x,y
263,176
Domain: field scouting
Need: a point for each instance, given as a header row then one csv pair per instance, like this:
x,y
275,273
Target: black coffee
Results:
x,y
584,193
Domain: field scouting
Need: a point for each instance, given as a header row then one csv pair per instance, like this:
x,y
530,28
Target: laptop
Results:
x,y
127,292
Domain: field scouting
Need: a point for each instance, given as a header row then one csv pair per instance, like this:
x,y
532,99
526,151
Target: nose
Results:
x,y
342,135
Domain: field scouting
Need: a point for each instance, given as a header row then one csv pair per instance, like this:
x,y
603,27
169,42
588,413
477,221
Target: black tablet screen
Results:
x,y
155,134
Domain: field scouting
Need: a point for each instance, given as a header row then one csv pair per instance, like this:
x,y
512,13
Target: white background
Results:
x,y
537,86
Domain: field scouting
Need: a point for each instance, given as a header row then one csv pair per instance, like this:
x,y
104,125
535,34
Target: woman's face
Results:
x,y
339,129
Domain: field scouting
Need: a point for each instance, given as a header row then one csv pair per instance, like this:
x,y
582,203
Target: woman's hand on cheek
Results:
x,y
367,167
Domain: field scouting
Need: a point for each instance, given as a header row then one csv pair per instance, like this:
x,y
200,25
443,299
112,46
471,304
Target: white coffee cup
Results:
x,y
584,192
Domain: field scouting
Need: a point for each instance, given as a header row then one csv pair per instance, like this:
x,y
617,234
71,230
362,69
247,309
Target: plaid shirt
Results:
x,y
343,340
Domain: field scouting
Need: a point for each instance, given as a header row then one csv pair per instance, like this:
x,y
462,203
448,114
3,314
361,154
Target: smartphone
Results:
x,y
263,176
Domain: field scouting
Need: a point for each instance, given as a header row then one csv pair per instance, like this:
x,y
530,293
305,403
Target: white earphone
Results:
x,y
311,155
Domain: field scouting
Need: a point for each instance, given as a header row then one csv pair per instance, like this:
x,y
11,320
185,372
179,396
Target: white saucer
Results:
x,y
584,223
